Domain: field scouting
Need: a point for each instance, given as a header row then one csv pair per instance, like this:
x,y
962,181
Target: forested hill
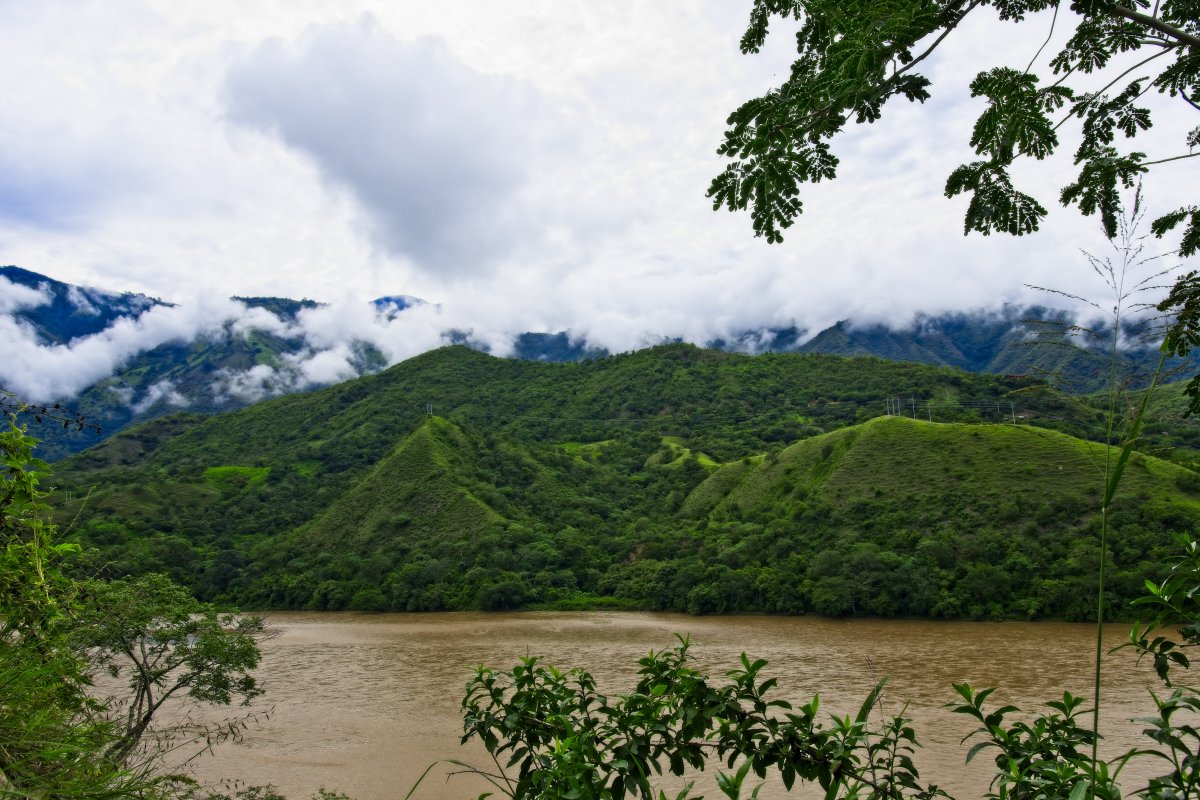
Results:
x,y
673,478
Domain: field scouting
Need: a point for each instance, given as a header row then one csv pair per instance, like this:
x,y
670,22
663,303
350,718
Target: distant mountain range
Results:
x,y
69,312
164,357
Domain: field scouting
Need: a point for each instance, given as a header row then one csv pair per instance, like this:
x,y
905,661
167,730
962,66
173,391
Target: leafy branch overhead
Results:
x,y
11,405
852,57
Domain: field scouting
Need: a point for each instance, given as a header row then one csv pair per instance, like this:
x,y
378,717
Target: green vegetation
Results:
x,y
236,477
565,740
552,735
61,736
673,479
852,59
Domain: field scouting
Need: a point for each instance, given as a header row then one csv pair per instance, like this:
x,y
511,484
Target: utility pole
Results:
x,y
1012,410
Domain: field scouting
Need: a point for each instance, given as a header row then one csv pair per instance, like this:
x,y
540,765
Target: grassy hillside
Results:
x,y
418,479
674,478
931,465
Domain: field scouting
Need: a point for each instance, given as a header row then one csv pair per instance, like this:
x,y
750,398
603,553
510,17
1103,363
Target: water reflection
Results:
x,y
363,704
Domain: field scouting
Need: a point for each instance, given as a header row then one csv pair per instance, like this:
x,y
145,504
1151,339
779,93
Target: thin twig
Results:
x,y
1049,36
1165,160
1077,110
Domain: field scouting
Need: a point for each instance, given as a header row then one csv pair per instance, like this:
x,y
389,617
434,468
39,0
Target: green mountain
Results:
x,y
672,478
164,379
233,360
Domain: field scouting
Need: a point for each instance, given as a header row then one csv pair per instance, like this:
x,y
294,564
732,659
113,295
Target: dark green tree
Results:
x,y
166,644
852,57
53,735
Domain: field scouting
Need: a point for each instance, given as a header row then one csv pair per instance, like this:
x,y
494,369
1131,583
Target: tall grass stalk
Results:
x,y
1131,259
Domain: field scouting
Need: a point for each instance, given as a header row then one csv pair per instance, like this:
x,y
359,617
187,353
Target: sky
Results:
x,y
539,165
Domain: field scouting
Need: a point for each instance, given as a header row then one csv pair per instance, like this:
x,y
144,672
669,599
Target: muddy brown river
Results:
x,y
362,704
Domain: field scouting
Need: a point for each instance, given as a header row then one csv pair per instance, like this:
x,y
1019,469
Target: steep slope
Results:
x,y
903,516
932,472
417,485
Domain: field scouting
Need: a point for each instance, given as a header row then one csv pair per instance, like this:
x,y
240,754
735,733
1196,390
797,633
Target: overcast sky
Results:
x,y
526,165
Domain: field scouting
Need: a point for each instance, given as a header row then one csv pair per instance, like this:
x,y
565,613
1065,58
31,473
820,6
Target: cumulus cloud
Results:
x,y
537,169
434,151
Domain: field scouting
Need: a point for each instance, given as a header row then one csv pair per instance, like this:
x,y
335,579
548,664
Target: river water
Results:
x,y
362,704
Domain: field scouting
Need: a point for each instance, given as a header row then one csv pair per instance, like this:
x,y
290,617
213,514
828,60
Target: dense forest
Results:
x,y
675,478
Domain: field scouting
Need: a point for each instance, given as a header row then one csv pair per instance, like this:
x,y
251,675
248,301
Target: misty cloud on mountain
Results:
x,y
162,391
43,372
319,344
15,296
295,372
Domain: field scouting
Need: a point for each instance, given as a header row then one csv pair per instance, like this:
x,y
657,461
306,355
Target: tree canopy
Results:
x,y
852,57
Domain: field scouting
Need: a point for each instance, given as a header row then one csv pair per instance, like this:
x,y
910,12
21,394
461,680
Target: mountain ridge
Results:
x,y
242,362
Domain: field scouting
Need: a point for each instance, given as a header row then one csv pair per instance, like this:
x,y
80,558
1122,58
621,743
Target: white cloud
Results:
x,y
78,298
327,366
16,296
42,373
251,385
539,167
160,392
434,151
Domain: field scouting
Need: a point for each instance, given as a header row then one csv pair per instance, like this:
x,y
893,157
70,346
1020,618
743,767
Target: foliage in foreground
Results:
x,y
552,735
61,736
852,58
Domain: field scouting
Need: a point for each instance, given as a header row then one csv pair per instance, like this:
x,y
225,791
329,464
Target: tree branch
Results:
x,y
1049,36
1173,158
1157,24
1097,94
885,86
961,16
